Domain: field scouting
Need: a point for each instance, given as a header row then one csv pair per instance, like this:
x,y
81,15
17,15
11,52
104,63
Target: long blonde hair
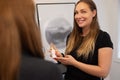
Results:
x,y
18,31
85,45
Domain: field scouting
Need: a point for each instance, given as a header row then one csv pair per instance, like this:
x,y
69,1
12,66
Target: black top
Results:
x,y
34,68
73,73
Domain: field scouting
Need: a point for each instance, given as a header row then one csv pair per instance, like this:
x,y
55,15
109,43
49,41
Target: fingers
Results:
x,y
55,50
53,46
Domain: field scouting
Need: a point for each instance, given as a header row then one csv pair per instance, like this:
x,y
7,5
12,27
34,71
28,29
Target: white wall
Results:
x,y
108,18
115,71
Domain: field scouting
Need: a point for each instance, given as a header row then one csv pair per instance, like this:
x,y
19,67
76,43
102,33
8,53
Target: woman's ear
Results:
x,y
94,13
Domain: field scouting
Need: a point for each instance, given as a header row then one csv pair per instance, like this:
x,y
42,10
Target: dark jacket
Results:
x,y
34,68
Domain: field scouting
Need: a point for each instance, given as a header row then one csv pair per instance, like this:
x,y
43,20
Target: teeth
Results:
x,y
80,21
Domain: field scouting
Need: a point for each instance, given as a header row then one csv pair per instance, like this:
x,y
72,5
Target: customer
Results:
x,y
21,56
89,49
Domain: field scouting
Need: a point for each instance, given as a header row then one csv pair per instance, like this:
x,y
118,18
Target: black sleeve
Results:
x,y
104,40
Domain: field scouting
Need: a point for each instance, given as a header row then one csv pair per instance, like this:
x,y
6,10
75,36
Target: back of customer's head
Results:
x,y
18,31
24,14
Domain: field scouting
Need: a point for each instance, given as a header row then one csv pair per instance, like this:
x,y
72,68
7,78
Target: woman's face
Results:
x,y
84,15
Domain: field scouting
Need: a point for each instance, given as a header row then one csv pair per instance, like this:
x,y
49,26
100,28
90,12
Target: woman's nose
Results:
x,y
79,15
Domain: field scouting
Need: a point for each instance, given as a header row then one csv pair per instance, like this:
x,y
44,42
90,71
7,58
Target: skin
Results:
x,y
83,17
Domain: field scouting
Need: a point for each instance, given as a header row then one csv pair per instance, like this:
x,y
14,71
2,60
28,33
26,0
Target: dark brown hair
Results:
x,y
18,31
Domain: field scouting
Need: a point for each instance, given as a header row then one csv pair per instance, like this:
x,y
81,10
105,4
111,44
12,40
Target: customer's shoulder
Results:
x,y
33,68
37,63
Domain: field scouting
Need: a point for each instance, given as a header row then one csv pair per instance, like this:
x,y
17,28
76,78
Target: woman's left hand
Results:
x,y
67,60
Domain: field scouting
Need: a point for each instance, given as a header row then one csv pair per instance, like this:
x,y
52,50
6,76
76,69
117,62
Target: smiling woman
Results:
x,y
87,46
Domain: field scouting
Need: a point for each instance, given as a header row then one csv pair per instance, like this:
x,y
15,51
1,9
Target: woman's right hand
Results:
x,y
57,52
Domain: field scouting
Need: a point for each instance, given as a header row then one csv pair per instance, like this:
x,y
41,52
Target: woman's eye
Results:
x,y
83,12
